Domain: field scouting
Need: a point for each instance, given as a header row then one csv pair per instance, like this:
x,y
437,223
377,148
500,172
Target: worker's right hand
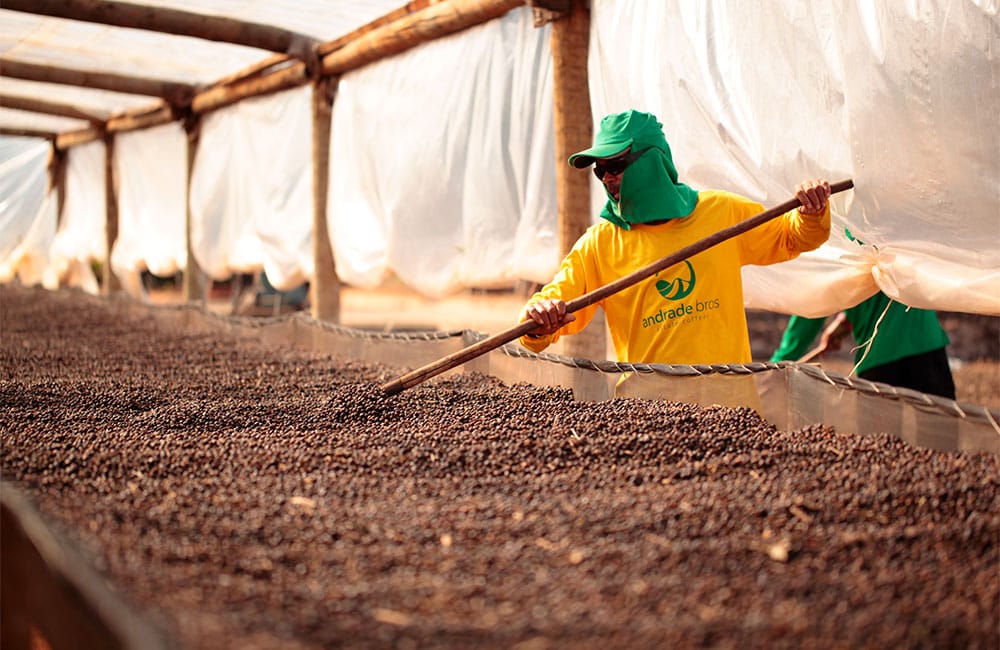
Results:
x,y
813,195
550,316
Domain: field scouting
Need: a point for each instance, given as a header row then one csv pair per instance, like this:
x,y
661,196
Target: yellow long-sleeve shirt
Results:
x,y
692,312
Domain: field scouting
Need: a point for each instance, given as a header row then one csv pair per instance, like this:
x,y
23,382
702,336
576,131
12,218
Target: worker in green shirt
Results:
x,y
896,345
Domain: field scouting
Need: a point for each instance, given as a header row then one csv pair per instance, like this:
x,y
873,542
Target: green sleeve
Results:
x,y
798,338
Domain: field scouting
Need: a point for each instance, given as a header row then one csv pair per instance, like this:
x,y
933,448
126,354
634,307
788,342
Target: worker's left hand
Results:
x,y
813,195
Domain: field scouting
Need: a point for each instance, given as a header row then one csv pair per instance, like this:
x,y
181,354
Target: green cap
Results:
x,y
618,132
650,190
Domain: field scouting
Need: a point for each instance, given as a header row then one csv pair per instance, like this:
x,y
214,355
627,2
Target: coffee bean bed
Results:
x,y
243,495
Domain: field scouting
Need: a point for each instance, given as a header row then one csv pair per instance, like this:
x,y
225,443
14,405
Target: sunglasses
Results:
x,y
616,166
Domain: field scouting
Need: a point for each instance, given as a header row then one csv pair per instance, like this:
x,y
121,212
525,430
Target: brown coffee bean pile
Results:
x,y
254,496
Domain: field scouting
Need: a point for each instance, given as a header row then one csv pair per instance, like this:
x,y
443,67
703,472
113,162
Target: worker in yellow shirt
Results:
x,y
693,312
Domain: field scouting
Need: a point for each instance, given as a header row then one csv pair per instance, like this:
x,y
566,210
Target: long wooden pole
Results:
x,y
486,345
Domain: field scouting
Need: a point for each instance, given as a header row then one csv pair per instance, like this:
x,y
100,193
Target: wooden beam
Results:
x,y
141,119
221,96
29,133
48,108
434,21
174,93
81,136
171,21
255,70
409,8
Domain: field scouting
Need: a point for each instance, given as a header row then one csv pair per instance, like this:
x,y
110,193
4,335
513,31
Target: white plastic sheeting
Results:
x,y
81,235
901,97
251,195
24,211
442,167
442,162
139,53
151,171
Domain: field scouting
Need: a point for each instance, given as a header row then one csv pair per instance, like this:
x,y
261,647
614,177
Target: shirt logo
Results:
x,y
679,287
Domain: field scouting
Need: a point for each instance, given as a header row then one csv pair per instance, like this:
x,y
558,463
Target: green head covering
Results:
x,y
649,189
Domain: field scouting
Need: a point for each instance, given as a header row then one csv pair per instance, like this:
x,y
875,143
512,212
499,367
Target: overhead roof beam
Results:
x,y
176,94
140,119
80,136
171,21
29,133
49,108
407,9
434,21
220,96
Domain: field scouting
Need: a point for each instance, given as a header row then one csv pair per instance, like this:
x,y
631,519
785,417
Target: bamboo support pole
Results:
x,y
432,22
325,286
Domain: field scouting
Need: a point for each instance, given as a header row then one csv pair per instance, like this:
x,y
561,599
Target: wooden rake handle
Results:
x,y
486,345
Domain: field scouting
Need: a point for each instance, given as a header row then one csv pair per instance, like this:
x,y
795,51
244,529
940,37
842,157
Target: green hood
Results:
x,y
649,189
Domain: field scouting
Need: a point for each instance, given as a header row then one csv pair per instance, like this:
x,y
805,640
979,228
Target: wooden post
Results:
x,y
194,289
573,124
325,285
57,179
109,281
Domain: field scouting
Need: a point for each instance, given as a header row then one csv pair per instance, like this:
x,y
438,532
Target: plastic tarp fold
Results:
x,y
23,191
251,191
150,167
442,162
81,238
900,97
